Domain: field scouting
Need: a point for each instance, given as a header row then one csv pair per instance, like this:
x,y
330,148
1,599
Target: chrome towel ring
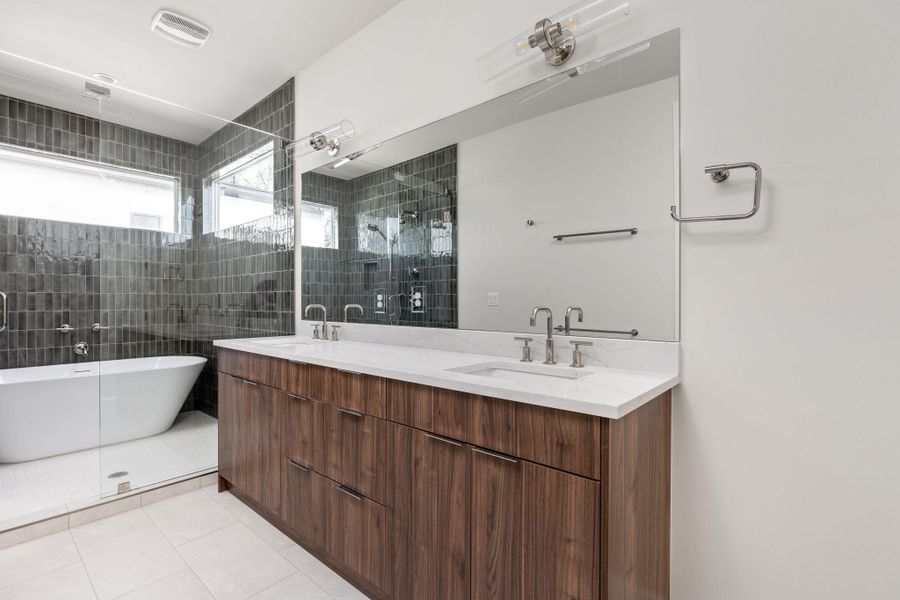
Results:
x,y
719,173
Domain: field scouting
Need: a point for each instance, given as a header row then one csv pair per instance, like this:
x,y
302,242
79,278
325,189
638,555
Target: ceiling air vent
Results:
x,y
179,29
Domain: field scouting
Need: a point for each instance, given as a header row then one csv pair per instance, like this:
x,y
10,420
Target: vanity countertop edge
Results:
x,y
609,393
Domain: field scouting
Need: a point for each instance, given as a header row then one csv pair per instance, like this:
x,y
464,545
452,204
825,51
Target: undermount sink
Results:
x,y
522,372
294,344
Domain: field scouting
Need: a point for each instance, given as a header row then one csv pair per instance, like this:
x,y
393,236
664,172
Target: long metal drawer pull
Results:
x,y
352,413
296,397
297,465
495,455
720,173
350,492
442,439
248,382
5,316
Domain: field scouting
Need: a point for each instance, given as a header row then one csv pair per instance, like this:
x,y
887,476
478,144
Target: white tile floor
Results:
x,y
197,546
61,483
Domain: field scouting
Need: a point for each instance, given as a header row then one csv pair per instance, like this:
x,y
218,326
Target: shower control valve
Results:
x,y
80,348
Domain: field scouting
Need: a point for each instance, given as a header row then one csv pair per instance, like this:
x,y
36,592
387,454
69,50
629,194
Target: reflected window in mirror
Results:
x,y
318,225
44,185
241,191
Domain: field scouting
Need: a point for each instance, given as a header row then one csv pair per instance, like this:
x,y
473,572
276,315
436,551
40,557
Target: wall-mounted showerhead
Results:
x,y
376,229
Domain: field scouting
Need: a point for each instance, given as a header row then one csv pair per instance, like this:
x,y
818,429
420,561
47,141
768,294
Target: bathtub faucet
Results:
x,y
80,348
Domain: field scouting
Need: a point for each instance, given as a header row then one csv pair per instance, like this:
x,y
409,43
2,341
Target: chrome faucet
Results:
x,y
356,306
324,318
550,358
569,312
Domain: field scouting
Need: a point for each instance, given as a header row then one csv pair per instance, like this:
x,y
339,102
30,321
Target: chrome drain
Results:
x,y
117,474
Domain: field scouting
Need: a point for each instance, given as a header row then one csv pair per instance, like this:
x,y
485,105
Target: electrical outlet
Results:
x,y
493,299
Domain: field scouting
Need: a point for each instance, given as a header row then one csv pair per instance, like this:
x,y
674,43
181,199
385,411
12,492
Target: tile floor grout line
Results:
x,y
305,574
80,560
83,565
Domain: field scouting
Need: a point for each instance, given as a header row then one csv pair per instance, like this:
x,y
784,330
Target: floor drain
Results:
x,y
117,474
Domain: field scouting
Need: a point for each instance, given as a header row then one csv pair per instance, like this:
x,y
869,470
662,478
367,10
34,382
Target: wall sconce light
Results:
x,y
553,36
351,157
328,139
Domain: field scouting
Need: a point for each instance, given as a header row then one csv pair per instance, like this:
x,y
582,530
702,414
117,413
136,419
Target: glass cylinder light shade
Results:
x,y
575,20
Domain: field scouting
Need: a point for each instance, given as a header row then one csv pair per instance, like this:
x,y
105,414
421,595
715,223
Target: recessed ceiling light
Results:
x,y
105,78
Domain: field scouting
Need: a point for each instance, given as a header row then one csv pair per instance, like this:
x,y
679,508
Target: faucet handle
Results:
x,y
334,332
577,357
526,349
316,331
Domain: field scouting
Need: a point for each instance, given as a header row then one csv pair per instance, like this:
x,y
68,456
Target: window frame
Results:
x,y
213,185
335,223
100,170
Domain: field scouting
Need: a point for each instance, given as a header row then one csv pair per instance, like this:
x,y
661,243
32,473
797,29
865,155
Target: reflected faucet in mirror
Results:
x,y
356,306
569,311
324,319
550,357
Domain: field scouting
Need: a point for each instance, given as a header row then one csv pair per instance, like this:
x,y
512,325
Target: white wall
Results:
x,y
611,167
785,478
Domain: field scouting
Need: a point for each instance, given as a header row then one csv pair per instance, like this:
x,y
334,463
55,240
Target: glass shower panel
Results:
x,y
199,248
49,260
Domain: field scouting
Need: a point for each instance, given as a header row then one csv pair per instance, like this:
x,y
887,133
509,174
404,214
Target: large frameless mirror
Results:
x,y
554,195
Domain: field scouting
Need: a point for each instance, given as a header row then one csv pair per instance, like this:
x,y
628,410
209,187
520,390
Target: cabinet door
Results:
x,y
239,434
432,517
302,424
356,452
267,460
249,441
303,502
358,535
496,526
560,535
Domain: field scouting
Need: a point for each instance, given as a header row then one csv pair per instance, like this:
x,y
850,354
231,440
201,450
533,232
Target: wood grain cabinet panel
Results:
x,y
356,452
252,367
432,517
355,391
478,420
565,440
358,535
249,440
303,502
560,535
309,381
496,526
410,404
302,423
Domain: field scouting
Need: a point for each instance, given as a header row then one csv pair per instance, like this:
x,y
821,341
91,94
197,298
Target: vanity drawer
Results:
x,y
356,451
302,424
569,441
309,381
358,535
358,392
303,502
486,422
252,367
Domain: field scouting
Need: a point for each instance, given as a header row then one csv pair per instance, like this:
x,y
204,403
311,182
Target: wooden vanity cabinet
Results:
x,y
249,439
419,493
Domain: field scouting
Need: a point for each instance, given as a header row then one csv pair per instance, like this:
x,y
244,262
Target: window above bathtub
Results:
x,y
241,191
43,185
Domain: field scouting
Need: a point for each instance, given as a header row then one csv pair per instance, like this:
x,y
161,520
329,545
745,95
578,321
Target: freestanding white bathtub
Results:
x,y
45,411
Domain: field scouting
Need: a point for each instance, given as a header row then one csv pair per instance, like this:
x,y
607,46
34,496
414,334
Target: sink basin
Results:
x,y
293,344
522,372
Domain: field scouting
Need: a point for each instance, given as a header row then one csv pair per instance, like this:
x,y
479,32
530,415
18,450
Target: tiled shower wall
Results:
x,y
244,283
419,254
161,294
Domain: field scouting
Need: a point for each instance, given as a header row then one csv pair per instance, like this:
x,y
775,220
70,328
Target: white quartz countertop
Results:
x,y
598,391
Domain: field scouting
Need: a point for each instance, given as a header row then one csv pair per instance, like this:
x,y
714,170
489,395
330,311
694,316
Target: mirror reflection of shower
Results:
x,y
376,229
